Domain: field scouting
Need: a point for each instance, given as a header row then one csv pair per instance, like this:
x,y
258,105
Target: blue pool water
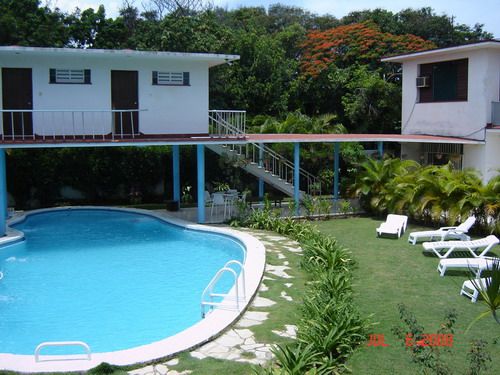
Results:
x,y
112,279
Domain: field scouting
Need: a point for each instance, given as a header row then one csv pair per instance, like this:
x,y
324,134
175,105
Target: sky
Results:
x,y
468,12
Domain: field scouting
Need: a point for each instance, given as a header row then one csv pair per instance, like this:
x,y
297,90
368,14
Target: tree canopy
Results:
x,y
291,59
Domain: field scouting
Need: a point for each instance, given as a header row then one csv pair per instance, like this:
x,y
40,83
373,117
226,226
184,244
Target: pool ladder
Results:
x,y
47,344
228,302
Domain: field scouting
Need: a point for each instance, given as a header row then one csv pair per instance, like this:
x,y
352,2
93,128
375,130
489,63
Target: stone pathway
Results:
x,y
238,343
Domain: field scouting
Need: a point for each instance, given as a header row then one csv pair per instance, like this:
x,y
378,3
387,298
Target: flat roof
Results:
x,y
211,58
487,44
165,140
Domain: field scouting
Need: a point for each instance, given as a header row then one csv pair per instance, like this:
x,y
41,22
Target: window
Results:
x,y
448,81
171,78
70,76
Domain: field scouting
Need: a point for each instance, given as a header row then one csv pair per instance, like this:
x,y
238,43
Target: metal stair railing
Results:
x,y
277,165
262,155
227,123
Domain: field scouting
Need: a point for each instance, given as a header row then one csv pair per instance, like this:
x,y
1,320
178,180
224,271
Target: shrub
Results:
x,y
331,326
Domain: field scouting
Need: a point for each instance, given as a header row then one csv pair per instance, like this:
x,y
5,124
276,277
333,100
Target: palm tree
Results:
x,y
375,183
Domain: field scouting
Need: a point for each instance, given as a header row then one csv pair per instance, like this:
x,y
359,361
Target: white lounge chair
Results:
x,y
483,244
477,265
445,232
394,224
469,289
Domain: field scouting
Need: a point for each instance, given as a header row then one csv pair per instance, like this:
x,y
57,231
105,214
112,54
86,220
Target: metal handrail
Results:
x,y
278,165
56,123
208,291
47,344
242,271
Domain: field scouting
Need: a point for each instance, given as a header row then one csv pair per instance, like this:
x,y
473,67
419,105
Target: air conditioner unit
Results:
x,y
423,81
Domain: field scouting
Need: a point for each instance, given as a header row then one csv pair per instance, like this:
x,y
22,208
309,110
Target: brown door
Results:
x,y
17,93
124,96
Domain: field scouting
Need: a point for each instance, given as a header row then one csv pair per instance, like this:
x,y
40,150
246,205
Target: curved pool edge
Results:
x,y
199,333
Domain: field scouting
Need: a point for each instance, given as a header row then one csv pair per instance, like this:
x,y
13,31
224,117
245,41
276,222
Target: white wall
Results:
x,y
485,158
465,119
169,109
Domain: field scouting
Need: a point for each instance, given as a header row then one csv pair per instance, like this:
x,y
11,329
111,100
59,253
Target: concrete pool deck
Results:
x,y
201,332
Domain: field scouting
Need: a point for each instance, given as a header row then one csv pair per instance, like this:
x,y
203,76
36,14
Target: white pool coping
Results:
x,y
206,329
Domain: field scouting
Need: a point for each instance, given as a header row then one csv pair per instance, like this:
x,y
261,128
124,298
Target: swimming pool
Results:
x,y
114,279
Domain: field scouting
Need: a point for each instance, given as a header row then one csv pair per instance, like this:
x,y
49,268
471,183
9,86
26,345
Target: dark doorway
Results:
x,y
124,96
17,94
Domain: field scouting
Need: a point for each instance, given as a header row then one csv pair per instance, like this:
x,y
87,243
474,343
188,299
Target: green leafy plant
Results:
x,y
345,207
478,357
220,186
186,194
490,293
324,207
428,357
330,327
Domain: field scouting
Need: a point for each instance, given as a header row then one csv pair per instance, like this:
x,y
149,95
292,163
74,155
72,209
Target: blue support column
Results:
x,y
3,194
381,150
296,176
261,165
176,173
336,166
200,159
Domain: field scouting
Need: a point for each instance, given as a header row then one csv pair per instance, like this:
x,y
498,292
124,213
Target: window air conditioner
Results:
x,y
423,81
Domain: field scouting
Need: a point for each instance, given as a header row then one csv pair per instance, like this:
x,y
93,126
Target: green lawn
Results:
x,y
391,271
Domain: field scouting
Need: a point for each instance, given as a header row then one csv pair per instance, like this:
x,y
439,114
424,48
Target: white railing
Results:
x,y
48,344
41,124
224,123
227,123
227,302
277,165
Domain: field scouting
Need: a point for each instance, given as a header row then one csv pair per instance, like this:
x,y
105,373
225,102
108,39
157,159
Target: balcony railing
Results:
x,y
47,125
224,123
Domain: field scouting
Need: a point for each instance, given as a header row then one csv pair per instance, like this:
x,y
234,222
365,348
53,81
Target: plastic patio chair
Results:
x,y
470,290
394,224
458,232
483,244
477,265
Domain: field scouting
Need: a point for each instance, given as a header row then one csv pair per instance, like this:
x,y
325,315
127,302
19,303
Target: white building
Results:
x,y
453,92
75,93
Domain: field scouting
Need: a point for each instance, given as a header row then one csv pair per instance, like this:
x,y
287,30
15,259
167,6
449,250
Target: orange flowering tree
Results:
x,y
357,43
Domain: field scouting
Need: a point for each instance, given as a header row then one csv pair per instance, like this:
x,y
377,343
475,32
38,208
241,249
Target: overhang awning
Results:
x,y
172,139
332,138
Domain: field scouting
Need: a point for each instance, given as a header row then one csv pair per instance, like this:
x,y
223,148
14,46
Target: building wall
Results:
x,y
466,119
485,158
168,109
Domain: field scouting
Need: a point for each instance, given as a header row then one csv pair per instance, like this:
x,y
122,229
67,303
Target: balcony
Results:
x,y
32,126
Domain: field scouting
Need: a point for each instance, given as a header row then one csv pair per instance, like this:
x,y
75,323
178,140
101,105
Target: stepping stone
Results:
x,y
279,271
161,369
290,331
262,302
245,334
263,288
142,371
198,355
253,318
286,296
172,362
288,285
277,238
281,256
293,249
